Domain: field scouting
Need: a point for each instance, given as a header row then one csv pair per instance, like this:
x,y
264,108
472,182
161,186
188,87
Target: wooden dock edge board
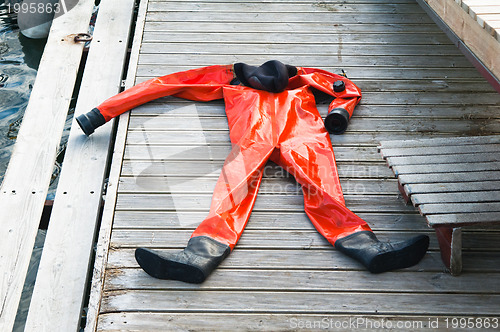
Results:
x,y
478,46
171,321
104,236
28,175
59,291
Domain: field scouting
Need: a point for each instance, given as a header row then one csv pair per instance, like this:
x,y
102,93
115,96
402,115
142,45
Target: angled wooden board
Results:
x,y
59,292
25,185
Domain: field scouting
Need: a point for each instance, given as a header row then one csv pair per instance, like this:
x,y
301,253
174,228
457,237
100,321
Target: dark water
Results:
x,y
19,59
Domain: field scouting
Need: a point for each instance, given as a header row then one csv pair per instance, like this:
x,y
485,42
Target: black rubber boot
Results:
x,y
193,264
90,121
380,257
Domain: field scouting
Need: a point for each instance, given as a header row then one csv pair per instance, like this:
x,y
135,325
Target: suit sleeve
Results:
x,y
342,107
203,84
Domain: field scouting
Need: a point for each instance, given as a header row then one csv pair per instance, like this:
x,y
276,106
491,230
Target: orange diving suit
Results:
x,y
272,115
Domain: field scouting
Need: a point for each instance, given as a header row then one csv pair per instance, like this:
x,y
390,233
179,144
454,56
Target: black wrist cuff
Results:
x,y
336,121
90,121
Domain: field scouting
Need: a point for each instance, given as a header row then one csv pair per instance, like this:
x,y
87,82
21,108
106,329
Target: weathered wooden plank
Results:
x,y
283,18
206,185
283,7
449,177
240,48
300,1
286,302
209,151
310,280
459,208
259,220
171,106
446,168
422,188
358,139
200,202
286,259
437,142
457,197
212,111
158,321
465,85
319,60
353,71
394,100
449,159
147,128
24,188
295,27
187,107
481,218
260,239
281,239
59,291
212,168
298,37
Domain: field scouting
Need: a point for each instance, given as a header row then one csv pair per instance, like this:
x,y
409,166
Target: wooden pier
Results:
x,y
167,156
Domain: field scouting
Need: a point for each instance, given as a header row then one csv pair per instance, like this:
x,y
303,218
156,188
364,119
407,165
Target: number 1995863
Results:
x,y
34,8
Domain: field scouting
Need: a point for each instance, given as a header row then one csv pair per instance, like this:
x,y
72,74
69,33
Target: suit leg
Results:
x,y
312,162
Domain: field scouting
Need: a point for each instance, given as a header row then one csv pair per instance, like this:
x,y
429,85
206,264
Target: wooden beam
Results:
x,y
26,182
59,291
